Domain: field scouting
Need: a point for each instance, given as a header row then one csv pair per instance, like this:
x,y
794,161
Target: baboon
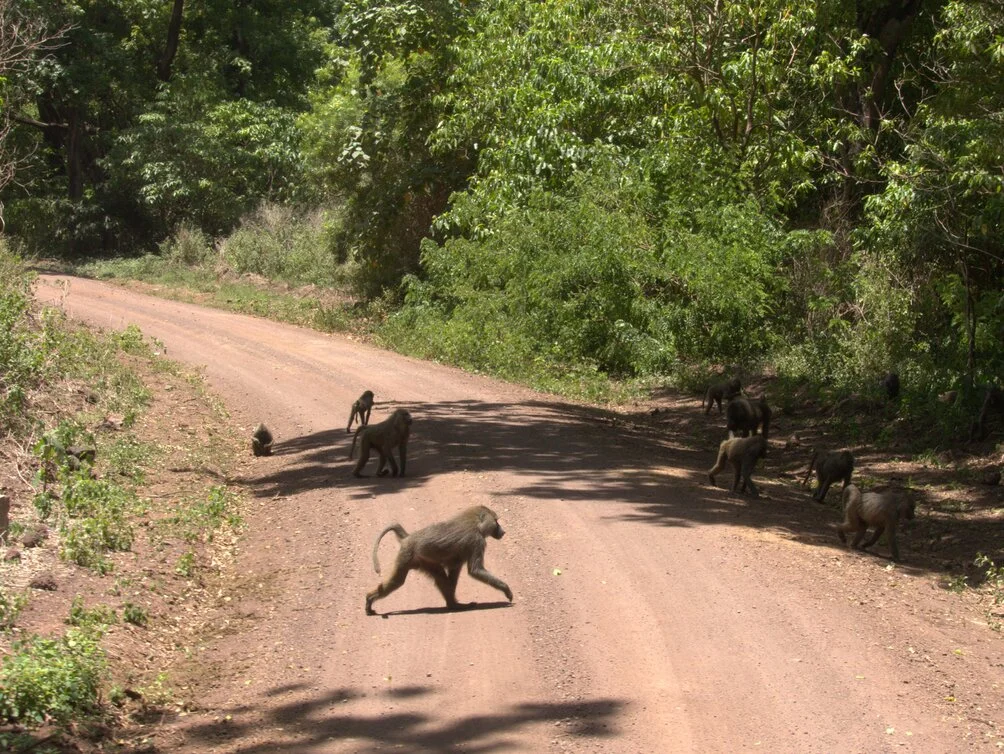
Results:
x,y
881,510
830,467
261,441
384,437
890,383
742,453
949,396
744,415
441,550
721,391
361,409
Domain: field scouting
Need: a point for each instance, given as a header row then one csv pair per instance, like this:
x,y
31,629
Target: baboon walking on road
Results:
x,y
830,467
441,550
721,391
881,510
361,409
261,441
742,453
743,416
384,437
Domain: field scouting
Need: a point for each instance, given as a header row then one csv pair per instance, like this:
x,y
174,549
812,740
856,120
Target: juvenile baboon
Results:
x,y
881,510
261,441
830,467
384,437
742,453
743,415
441,550
890,383
361,409
721,391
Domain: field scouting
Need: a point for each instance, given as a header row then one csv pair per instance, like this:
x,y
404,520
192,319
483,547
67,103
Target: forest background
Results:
x,y
567,193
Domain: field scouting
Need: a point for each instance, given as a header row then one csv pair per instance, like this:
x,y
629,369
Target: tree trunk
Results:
x,y
171,45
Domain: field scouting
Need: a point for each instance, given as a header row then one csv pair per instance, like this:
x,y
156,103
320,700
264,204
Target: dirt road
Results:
x,y
652,612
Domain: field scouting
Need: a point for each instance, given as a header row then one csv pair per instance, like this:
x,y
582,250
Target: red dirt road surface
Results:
x,y
652,612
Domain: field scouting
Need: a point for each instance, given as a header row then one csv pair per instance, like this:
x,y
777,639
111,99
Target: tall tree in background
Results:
x,y
22,39
131,66
367,136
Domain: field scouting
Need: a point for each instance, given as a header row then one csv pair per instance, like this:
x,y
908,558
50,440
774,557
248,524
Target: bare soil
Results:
x,y
652,611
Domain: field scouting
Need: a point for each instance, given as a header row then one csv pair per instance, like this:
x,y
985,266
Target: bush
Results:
x,y
96,617
278,244
96,522
52,679
137,615
21,360
10,607
188,246
610,279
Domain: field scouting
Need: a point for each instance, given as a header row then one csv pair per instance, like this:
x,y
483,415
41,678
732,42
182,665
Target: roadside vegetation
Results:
x,y
88,431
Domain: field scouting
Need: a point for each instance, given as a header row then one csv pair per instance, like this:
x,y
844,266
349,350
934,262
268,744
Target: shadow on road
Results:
x,y
465,607
320,720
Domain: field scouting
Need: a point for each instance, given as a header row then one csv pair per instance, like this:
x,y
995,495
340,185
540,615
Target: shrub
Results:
x,y
278,244
137,615
94,522
10,607
188,246
21,361
52,679
96,617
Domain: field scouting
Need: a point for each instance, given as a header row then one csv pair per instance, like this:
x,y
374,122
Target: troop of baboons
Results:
x,y
441,550
743,448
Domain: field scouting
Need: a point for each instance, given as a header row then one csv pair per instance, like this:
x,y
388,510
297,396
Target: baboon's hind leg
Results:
x,y
393,582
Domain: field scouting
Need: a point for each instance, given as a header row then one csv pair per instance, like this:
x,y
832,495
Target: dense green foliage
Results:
x,y
607,187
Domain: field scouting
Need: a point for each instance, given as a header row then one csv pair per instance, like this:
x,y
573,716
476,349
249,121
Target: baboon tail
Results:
x,y
812,462
401,534
355,437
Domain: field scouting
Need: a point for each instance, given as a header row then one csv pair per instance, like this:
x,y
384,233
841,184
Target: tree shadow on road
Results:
x,y
318,720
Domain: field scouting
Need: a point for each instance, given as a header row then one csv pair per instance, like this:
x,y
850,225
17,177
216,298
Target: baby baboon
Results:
x,y
441,550
881,510
743,415
721,391
361,409
742,453
261,441
384,437
890,383
830,467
